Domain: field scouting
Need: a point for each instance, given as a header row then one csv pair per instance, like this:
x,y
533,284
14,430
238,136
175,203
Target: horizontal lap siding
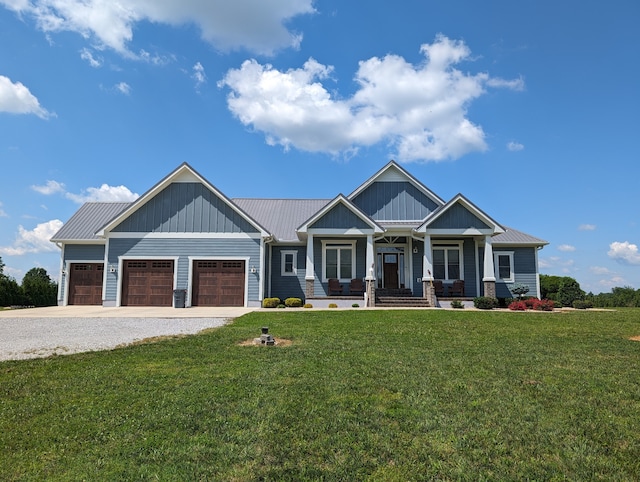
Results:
x,y
321,288
524,261
288,286
183,249
79,253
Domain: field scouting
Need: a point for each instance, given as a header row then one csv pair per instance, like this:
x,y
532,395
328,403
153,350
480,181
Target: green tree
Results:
x,y
569,291
549,286
10,291
38,289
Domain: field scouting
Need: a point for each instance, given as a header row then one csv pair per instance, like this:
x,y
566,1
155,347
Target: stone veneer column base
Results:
x,y
308,291
429,293
371,293
490,289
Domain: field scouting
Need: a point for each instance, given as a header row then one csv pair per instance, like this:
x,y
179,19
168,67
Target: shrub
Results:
x,y
270,302
519,290
544,305
281,305
518,306
485,303
531,303
457,304
332,305
355,305
293,302
308,305
582,304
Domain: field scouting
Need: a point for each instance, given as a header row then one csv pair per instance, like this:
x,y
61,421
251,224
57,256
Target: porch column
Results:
x,y
310,269
370,276
427,272
489,278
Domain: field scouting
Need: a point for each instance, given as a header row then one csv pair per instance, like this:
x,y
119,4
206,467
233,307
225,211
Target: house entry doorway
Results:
x,y
390,266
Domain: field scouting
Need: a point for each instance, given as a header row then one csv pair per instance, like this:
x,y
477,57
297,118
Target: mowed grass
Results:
x,y
358,395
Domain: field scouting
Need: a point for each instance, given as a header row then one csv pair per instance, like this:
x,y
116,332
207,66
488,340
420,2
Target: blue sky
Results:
x,y
530,109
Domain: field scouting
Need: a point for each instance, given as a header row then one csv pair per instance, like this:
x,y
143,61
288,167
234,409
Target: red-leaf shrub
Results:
x,y
543,305
518,306
531,303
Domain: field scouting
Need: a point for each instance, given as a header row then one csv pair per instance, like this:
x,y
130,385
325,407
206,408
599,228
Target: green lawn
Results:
x,y
358,395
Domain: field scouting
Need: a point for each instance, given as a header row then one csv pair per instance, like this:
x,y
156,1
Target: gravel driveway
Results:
x,y
22,338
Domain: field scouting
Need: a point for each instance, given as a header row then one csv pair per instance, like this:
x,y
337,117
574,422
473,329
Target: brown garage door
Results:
x,y
85,283
147,283
218,283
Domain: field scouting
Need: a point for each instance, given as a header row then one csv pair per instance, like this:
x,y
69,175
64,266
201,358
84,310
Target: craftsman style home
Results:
x,y
185,242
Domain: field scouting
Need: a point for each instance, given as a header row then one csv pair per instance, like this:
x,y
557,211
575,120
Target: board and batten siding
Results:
x,y
185,207
458,217
183,249
78,253
290,286
394,201
340,217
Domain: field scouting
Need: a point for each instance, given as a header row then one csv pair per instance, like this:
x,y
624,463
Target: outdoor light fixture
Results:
x,y
253,269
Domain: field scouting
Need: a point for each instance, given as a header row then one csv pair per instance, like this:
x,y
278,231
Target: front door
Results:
x,y
390,268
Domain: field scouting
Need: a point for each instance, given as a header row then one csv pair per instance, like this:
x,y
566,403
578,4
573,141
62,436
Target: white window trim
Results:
x,y
283,257
496,266
447,245
338,243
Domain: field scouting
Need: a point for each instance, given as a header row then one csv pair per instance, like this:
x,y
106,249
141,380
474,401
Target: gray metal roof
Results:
x,y
513,236
87,220
281,217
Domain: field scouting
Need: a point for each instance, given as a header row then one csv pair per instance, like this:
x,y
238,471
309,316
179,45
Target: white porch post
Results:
x,y
310,269
370,293
489,278
427,260
370,257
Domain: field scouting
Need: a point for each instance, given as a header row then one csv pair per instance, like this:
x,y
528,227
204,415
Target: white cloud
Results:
x,y
515,146
256,25
34,241
198,75
420,110
587,227
600,270
566,248
15,98
104,193
3,213
624,253
123,88
85,54
515,84
51,187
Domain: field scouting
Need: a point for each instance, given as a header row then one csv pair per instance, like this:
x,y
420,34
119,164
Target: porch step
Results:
x,y
397,292
401,301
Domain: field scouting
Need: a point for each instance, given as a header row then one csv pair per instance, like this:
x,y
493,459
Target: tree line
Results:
x,y
566,290
37,289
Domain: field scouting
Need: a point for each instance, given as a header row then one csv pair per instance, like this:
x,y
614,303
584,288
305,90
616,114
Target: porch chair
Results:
x,y
438,287
334,287
457,288
356,287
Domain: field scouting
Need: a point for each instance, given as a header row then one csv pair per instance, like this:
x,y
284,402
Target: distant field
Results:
x,y
355,395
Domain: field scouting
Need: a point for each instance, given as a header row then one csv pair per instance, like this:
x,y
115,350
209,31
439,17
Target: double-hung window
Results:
x,y
447,262
289,263
503,265
338,260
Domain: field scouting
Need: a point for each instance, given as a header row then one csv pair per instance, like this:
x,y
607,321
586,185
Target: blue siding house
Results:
x,y
185,242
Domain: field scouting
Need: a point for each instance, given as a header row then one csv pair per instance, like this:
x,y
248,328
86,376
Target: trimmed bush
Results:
x,y
517,306
457,304
485,303
544,305
355,305
582,304
332,305
308,305
293,302
281,305
270,302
